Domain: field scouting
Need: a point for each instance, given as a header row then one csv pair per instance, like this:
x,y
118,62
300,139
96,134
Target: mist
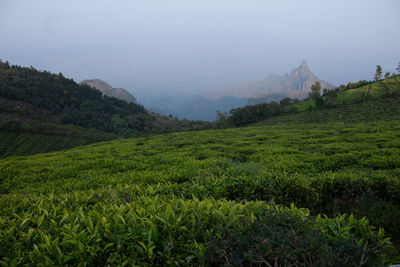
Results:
x,y
158,48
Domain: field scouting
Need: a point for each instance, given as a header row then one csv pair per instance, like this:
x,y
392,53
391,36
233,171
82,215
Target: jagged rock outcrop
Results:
x,y
302,79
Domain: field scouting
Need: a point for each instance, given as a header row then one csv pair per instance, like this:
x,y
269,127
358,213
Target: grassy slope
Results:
x,y
327,168
26,132
29,143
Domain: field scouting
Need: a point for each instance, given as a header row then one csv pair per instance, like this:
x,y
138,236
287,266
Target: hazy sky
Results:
x,y
187,46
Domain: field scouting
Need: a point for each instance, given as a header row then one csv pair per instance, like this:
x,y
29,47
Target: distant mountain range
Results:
x,y
273,88
205,106
297,84
107,90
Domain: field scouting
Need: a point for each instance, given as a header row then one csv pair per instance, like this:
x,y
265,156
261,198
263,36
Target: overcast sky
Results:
x,y
187,46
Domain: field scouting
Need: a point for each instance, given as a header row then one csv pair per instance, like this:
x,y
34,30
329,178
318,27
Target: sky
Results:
x,y
188,47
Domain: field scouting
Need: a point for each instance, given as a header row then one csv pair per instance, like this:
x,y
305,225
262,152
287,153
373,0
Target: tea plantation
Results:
x,y
276,195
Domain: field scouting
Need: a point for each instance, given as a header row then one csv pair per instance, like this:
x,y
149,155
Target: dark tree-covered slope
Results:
x,y
42,112
70,102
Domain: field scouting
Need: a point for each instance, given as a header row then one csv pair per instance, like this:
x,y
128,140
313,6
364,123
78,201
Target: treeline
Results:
x,y
72,103
253,113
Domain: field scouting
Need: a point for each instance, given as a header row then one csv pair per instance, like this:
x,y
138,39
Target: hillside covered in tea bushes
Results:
x,y
266,194
363,98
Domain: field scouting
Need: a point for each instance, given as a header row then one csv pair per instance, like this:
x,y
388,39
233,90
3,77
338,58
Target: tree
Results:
x,y
398,68
316,88
315,94
387,75
378,73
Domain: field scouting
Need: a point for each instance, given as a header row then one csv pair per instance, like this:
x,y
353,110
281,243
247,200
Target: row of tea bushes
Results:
x,y
108,227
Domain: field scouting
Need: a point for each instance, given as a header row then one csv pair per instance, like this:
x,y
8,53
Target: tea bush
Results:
x,y
206,198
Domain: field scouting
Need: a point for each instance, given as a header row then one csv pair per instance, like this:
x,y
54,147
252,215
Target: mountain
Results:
x,y
206,105
273,88
107,90
297,84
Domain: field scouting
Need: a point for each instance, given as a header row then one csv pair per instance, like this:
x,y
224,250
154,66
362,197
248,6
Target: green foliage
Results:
x,y
26,133
32,143
250,114
383,109
121,227
201,198
378,73
76,104
315,95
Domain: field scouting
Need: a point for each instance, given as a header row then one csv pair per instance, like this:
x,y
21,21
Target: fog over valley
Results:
x,y
168,53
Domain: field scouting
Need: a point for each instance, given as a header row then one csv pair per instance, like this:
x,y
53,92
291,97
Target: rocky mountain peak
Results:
x,y
302,70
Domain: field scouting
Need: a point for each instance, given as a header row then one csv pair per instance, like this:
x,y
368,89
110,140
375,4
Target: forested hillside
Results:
x,y
70,102
41,112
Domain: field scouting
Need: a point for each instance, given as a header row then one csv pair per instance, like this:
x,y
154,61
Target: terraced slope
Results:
x,y
201,198
389,87
372,91
380,109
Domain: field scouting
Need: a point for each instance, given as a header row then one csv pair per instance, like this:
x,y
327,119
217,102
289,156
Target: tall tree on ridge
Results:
x,y
315,94
378,73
